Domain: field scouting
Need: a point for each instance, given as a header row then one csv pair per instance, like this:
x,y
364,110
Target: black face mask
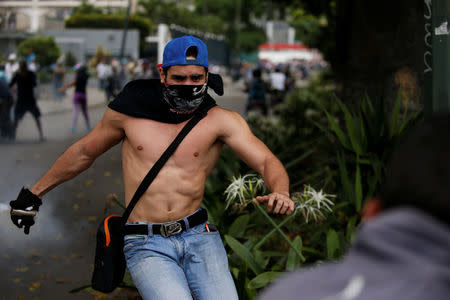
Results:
x,y
184,99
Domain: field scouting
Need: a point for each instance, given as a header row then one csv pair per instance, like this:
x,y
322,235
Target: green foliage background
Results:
x,y
45,48
321,143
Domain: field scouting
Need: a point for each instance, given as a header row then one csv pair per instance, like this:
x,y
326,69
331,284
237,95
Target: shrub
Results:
x,y
45,48
70,59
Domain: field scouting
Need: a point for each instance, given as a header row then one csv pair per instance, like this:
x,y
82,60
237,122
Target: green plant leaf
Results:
x,y
237,229
273,231
244,254
120,203
358,188
356,147
293,262
351,229
263,279
345,179
299,159
338,131
260,258
333,246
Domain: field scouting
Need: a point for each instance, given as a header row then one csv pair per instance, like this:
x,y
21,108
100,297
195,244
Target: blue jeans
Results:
x,y
189,265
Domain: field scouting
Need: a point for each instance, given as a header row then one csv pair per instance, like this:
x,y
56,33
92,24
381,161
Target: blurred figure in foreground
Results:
x,y
26,101
79,96
403,248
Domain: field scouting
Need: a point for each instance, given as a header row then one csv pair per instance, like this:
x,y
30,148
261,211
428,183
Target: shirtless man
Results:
x,y
146,116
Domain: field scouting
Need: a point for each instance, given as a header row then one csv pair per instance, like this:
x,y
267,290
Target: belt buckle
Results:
x,y
170,228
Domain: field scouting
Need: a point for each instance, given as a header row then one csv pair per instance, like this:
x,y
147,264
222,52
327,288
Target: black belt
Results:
x,y
169,228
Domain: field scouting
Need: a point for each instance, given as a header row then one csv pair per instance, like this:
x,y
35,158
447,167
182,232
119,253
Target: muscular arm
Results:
x,y
238,136
78,157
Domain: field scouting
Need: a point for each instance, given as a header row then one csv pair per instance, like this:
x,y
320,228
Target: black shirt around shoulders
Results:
x,y
142,98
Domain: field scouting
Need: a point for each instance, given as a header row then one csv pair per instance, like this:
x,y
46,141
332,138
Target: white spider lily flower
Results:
x,y
243,189
318,198
312,204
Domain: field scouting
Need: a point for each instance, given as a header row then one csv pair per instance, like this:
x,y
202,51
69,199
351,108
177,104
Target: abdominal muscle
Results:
x,y
167,199
177,190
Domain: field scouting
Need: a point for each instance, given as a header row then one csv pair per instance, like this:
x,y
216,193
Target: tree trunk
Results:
x,y
379,48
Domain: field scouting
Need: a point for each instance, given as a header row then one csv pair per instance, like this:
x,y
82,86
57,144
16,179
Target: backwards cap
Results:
x,y
175,52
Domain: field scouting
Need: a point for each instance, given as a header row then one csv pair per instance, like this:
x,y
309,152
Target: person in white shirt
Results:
x,y
277,82
104,71
11,66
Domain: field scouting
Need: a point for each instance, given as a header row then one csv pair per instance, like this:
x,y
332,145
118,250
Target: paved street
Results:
x,y
58,254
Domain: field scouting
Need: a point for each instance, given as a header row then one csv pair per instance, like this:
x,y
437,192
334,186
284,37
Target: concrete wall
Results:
x,y
83,43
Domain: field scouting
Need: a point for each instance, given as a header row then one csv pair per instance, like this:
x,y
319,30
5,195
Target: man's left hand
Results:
x,y
277,203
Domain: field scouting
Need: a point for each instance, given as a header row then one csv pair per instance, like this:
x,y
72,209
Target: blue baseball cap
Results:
x,y
175,52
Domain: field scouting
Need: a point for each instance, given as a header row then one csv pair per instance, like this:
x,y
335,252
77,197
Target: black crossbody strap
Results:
x,y
160,163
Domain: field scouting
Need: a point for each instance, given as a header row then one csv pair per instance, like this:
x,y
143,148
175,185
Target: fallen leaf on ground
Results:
x,y
107,174
80,195
61,281
76,255
34,286
92,219
112,197
99,295
89,182
34,253
22,270
118,181
76,207
17,280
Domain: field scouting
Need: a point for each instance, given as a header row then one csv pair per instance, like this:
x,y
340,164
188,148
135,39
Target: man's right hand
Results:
x,y
24,209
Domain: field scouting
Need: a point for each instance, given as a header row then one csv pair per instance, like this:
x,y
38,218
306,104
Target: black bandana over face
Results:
x,y
184,99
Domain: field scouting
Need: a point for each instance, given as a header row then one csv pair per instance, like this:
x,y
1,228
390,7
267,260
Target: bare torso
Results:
x,y
178,189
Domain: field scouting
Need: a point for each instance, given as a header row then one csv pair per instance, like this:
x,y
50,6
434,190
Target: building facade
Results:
x,y
36,15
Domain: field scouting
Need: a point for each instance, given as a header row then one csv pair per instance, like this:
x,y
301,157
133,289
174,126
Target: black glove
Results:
x,y
24,209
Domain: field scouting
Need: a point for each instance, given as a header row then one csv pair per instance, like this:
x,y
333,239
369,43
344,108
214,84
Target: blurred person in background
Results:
x,y
402,251
278,85
59,74
6,102
3,75
11,67
103,70
256,93
26,101
80,96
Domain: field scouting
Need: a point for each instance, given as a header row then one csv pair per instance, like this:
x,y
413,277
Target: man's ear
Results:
x,y
162,76
372,208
